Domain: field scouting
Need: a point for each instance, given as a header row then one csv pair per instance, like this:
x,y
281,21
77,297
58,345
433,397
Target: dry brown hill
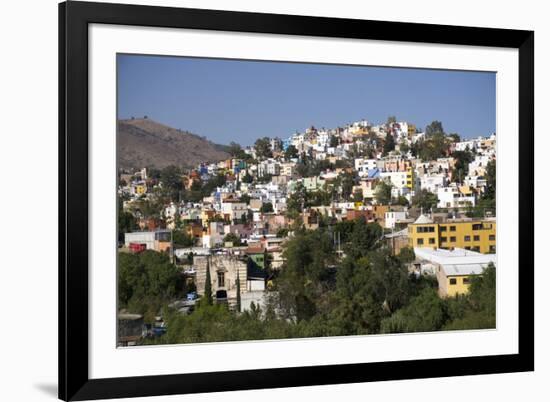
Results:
x,y
145,142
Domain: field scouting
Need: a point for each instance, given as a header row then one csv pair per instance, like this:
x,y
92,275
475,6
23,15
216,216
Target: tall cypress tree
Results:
x,y
208,284
238,292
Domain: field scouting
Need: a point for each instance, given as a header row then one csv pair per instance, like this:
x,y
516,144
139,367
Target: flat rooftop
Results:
x,y
458,261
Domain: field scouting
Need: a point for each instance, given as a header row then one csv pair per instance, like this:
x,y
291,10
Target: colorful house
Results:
x,y
454,269
475,235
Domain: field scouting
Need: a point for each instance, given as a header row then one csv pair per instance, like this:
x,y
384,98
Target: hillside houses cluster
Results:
x,y
317,177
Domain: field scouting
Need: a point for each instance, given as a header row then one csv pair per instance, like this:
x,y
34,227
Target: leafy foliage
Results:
x,y
233,238
182,239
389,144
291,152
146,281
462,159
425,199
263,148
382,193
266,207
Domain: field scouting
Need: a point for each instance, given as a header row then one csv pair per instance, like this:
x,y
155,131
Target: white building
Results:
x,y
464,145
475,181
288,169
392,217
268,167
450,197
433,183
157,240
235,209
478,165
362,166
397,179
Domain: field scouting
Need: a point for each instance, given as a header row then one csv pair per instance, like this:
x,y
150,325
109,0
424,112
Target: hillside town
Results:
x,y
296,233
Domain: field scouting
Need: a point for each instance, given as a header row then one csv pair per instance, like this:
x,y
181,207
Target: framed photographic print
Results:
x,y
258,200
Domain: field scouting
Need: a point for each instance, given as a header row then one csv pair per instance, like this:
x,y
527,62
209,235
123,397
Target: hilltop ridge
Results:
x,y
146,142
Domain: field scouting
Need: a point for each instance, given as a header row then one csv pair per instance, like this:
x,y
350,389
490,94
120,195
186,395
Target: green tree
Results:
x,y
245,198
368,289
297,201
126,221
435,146
363,238
488,200
247,178
266,207
462,160
235,150
357,196
425,200
208,285
263,148
454,137
233,238
382,193
435,127
182,239
491,177
389,143
291,152
146,281
300,283
391,120
402,200
404,148
406,255
238,284
483,290
347,183
424,313
171,179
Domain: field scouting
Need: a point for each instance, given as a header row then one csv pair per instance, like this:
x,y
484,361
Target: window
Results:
x,y
466,281
431,240
453,239
477,226
443,228
425,229
420,241
452,228
476,238
467,238
443,239
221,279
492,237
475,248
452,281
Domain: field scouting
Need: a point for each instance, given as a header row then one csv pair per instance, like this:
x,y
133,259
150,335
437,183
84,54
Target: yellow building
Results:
x,y
410,177
455,280
411,130
475,235
454,269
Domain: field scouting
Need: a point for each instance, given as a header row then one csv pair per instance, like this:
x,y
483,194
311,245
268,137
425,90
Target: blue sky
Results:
x,y
233,100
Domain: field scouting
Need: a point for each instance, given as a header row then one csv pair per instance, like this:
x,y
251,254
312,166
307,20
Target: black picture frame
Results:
x,y
74,18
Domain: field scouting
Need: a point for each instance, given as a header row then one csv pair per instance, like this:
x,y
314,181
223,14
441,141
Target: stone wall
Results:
x,y
230,266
